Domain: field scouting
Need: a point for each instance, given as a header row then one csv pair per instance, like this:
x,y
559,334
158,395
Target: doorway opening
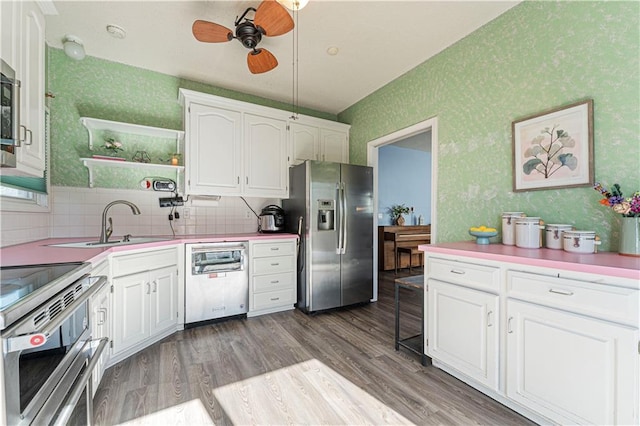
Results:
x,y
416,133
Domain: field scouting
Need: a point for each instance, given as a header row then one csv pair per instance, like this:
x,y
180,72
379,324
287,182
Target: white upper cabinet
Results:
x,y
23,48
213,148
242,149
265,165
234,148
315,139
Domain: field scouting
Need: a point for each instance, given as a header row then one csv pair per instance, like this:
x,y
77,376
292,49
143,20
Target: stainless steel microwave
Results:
x,y
10,115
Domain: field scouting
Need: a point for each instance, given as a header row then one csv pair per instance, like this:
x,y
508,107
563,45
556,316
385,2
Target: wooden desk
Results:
x,y
392,237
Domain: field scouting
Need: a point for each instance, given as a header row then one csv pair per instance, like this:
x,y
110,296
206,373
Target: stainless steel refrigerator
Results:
x,y
330,206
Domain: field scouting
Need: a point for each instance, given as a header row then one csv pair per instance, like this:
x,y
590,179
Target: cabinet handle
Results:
x,y
155,286
489,324
238,180
102,316
457,271
562,292
275,264
246,180
19,140
509,329
148,288
275,248
30,133
275,281
274,299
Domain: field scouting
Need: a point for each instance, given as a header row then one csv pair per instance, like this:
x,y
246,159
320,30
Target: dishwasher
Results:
x,y
217,281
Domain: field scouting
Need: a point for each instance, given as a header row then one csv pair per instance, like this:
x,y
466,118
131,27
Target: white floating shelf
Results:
x,y
98,124
89,163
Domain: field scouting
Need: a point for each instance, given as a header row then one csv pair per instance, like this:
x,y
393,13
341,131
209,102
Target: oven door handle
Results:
x,y
70,402
23,336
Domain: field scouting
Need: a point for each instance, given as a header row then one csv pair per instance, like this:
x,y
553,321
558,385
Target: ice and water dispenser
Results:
x,y
326,214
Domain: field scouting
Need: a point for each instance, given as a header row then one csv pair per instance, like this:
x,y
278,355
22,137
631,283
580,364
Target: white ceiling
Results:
x,y
377,40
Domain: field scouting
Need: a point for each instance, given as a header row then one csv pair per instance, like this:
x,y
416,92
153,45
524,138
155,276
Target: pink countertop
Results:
x,y
605,263
39,252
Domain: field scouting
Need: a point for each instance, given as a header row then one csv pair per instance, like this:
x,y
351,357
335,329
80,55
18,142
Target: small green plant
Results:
x,y
397,210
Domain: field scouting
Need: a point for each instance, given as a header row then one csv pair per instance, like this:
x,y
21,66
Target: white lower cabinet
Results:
x,y
570,368
145,299
100,315
463,330
272,282
556,345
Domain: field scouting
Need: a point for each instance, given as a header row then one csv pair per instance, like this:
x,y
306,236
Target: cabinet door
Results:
x,y
100,319
131,310
214,150
463,330
266,161
571,369
304,143
31,154
334,146
10,13
163,302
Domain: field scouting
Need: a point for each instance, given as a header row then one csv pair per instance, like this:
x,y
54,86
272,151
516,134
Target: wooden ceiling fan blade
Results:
x,y
210,32
261,61
273,18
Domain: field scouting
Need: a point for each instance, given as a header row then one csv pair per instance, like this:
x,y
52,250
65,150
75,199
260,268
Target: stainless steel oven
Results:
x,y
48,353
9,115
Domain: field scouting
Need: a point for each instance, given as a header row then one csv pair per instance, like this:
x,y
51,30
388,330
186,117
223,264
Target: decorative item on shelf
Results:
x,y
113,146
482,234
396,211
174,158
141,157
629,208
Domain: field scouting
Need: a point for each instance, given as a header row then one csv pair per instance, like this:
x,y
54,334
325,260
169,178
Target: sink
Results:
x,y
114,243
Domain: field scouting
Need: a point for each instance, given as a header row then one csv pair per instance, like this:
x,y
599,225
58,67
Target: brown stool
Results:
x,y
410,251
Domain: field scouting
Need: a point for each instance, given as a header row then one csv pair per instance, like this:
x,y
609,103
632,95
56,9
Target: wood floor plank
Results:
x,y
334,368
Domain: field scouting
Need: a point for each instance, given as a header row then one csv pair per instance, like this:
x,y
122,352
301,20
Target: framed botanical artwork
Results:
x,y
554,149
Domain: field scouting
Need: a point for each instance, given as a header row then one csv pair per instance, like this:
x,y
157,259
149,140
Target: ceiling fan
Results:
x,y
270,19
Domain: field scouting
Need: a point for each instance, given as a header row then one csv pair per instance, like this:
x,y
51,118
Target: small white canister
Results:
x,y
553,235
509,227
529,232
580,241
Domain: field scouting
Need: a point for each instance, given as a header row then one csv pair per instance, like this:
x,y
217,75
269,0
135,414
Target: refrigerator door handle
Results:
x,y
340,215
344,218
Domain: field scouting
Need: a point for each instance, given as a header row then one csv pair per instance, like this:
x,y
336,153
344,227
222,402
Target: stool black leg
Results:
x,y
397,302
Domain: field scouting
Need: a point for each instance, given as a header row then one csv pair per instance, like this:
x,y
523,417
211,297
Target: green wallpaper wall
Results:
x,y
537,56
112,91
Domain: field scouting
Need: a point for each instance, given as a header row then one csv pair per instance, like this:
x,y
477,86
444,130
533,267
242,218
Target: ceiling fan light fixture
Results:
x,y
73,47
293,4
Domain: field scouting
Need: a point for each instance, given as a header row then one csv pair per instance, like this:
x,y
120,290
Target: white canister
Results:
x,y
509,227
553,235
529,232
580,241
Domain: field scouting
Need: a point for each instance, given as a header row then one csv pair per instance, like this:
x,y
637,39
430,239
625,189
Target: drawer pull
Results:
x,y
275,264
489,323
275,281
273,299
562,292
509,329
275,248
457,271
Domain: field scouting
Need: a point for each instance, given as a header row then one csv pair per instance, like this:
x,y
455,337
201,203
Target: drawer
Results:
x,y
144,261
273,265
262,283
463,273
272,299
598,300
283,248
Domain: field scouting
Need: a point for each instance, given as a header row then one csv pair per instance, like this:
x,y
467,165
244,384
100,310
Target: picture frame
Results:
x,y
554,149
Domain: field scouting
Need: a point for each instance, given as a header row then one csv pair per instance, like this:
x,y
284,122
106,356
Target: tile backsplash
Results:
x,y
77,212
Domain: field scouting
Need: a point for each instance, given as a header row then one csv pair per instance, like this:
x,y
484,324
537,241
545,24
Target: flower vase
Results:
x,y
630,236
400,220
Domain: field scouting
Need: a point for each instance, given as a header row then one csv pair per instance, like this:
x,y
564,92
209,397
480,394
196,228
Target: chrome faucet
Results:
x,y
105,232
